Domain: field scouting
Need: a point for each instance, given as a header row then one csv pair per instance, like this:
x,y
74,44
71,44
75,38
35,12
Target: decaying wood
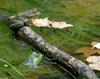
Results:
x,y
64,60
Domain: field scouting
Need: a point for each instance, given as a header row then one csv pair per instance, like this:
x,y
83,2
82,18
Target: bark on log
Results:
x,y
64,60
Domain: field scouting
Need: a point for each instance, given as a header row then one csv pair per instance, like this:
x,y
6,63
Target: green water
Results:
x,y
84,15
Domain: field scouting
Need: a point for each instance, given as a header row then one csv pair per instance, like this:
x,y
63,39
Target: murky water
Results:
x,y
84,15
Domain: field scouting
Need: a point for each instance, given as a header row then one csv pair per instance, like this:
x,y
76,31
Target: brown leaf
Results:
x,y
87,51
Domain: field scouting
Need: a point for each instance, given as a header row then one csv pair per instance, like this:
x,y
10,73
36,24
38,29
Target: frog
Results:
x,y
34,59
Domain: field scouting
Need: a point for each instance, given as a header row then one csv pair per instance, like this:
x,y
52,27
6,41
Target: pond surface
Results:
x,y
84,15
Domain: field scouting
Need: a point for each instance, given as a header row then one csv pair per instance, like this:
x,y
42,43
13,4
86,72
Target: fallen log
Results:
x,y
64,60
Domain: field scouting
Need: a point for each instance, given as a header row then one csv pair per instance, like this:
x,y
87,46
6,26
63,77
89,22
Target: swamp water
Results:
x,y
84,15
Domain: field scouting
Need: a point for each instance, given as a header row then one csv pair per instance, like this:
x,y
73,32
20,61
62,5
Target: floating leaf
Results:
x,y
96,45
60,25
94,62
93,59
46,23
87,51
95,66
41,22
